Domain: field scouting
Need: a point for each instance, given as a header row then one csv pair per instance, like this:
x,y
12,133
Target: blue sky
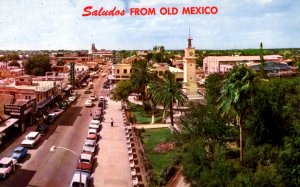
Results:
x,y
58,24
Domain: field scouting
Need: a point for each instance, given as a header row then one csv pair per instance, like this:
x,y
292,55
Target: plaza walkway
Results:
x,y
112,168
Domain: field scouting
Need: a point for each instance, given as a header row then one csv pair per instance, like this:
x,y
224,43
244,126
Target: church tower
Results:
x,y
189,68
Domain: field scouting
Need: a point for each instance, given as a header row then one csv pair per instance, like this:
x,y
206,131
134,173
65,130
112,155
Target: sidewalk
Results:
x,y
112,167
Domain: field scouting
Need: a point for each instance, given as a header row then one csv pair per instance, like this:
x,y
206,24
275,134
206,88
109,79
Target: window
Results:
x,y
125,71
27,97
130,71
118,71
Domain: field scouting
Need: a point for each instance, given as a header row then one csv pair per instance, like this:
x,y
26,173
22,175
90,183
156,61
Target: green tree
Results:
x,y
236,92
122,91
213,85
14,63
167,92
142,74
38,65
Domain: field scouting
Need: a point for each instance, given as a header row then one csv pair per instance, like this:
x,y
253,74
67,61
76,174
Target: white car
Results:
x,y
85,178
31,139
72,98
89,146
92,131
7,165
92,97
88,103
94,126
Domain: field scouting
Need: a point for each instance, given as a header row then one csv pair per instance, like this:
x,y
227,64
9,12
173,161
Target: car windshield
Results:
x,y
84,160
3,165
18,151
77,184
30,138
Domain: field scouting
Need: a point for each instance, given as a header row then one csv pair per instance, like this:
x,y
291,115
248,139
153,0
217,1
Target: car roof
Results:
x,y
92,130
5,160
19,148
33,133
84,176
95,121
89,141
91,136
86,156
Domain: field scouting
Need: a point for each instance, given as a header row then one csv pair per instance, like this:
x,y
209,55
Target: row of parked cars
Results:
x,y
86,160
8,164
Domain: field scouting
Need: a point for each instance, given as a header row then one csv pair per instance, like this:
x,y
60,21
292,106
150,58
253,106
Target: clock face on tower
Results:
x,y
191,53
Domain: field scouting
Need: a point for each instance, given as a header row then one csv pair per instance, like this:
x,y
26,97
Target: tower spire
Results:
x,y
190,39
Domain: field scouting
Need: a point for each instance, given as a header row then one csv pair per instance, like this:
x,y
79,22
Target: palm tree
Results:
x,y
235,97
167,92
142,74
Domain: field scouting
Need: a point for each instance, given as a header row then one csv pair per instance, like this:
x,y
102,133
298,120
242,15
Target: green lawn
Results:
x,y
143,117
151,137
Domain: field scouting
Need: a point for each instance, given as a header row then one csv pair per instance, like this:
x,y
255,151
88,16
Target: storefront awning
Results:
x,y
6,124
43,103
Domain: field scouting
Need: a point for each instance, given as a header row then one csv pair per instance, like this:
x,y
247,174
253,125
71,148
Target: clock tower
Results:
x,y
189,69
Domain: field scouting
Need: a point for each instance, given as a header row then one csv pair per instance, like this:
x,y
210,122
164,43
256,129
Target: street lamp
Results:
x,y
53,148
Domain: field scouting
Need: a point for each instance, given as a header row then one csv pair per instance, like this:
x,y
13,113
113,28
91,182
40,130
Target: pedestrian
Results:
x,y
111,122
91,114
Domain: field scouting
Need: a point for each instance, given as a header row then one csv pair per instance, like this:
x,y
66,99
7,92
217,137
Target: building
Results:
x,y
189,67
223,64
25,89
123,71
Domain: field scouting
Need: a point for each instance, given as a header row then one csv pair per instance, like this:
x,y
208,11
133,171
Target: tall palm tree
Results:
x,y
167,92
235,97
142,74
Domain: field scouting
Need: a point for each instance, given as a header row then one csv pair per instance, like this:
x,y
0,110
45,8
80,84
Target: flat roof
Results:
x,y
4,125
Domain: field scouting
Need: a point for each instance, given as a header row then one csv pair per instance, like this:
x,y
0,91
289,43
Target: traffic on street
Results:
x,y
56,154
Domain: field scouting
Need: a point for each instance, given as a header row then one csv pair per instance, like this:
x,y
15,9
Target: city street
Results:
x,y
44,168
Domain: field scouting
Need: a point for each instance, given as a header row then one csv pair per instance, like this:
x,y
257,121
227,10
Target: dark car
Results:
x,y
51,118
42,128
64,105
19,153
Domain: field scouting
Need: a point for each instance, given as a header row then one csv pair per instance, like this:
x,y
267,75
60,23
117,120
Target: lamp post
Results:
x,y
53,148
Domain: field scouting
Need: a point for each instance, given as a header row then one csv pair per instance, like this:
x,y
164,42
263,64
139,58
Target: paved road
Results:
x,y
43,168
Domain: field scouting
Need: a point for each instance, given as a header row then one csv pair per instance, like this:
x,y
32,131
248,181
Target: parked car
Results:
x,y
86,162
84,84
51,118
72,98
89,146
92,131
31,139
92,97
97,117
58,111
94,126
19,153
92,137
87,91
7,166
85,179
64,105
42,128
88,103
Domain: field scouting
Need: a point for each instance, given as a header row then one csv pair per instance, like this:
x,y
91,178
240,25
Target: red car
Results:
x,y
86,162
92,137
